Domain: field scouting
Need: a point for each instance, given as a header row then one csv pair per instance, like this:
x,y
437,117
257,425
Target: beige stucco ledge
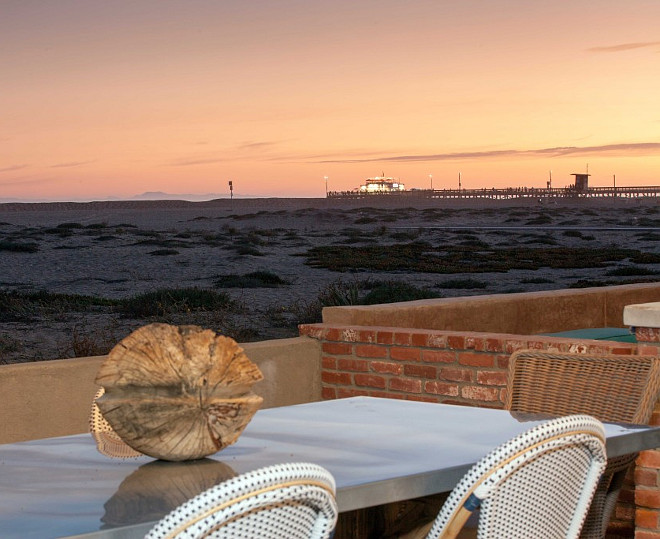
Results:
x,y
646,315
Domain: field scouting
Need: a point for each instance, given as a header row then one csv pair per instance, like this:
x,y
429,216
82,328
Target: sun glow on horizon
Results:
x,y
115,100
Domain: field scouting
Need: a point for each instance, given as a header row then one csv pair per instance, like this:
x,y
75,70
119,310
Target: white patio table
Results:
x,y
379,451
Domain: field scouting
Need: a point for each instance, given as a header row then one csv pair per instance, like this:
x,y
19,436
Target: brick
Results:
x,y
478,393
438,356
475,359
441,388
490,378
386,367
655,417
328,363
367,336
370,350
437,340
315,332
405,384
338,378
404,354
333,334
627,495
421,371
578,348
625,512
490,344
358,365
643,534
385,337
647,349
328,393
647,334
456,375
337,348
646,518
513,345
456,342
647,498
647,477
419,339
649,459
534,344
402,338
502,362
370,380
618,350
350,335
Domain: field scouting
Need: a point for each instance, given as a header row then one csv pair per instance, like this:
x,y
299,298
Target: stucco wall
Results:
x,y
527,313
53,398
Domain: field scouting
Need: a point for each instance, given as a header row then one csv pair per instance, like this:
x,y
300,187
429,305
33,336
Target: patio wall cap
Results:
x,y
642,315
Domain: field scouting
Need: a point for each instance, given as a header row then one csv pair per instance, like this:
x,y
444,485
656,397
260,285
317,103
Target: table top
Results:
x,y
378,450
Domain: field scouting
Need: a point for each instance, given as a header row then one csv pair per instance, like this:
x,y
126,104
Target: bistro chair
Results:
x,y
285,501
107,440
539,484
612,388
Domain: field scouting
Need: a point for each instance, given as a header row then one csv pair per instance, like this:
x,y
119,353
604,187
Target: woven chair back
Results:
x,y
616,388
539,484
286,501
620,388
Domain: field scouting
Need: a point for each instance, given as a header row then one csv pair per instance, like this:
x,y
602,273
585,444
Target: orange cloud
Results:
x,y
619,149
626,46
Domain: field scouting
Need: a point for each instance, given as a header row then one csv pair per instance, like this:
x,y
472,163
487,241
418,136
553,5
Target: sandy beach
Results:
x,y
116,250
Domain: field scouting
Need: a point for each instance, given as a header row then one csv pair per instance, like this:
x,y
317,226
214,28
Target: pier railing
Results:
x,y
509,193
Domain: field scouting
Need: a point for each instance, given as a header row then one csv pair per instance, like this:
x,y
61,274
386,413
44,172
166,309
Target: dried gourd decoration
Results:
x,y
178,393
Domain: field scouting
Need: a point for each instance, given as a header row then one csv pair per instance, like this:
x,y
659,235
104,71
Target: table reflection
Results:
x,y
158,487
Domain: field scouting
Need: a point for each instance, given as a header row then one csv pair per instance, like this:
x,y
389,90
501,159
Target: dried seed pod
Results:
x,y
178,393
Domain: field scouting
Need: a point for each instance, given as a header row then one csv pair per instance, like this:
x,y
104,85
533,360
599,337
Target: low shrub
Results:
x,y
174,300
18,247
21,306
462,283
628,271
256,279
164,252
395,292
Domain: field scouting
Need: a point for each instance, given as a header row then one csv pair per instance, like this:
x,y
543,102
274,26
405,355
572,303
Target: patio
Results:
x,y
333,360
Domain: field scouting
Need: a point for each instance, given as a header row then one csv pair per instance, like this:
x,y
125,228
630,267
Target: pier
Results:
x,y
509,193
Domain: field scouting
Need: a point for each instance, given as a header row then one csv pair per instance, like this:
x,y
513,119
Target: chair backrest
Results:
x,y
539,484
609,387
285,501
108,442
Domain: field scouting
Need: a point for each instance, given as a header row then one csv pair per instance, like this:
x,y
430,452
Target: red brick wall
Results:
x,y
647,471
466,368
451,367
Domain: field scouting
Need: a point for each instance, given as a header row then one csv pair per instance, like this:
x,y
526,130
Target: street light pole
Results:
x,y
431,178
326,186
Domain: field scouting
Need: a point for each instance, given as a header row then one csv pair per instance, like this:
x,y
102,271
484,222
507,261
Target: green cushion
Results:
x,y
599,334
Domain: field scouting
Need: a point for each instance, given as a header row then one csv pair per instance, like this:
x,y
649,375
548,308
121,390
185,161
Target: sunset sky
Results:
x,y
115,98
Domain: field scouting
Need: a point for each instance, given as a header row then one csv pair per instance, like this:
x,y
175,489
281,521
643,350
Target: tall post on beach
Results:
x,y
326,186
459,184
231,194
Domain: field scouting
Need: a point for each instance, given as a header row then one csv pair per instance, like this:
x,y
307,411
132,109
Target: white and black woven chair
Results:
x,y
539,484
286,501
